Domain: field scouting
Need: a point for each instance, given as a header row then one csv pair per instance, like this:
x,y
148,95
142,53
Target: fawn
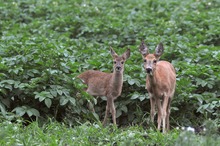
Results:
x,y
107,84
160,84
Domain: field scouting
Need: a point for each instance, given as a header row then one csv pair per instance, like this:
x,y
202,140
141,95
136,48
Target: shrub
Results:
x,y
46,44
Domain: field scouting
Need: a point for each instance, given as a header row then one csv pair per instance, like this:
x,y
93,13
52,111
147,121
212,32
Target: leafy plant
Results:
x,y
44,45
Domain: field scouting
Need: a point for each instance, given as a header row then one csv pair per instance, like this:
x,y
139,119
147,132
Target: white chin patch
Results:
x,y
151,73
118,69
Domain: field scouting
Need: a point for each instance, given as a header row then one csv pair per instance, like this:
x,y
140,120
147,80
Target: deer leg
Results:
x,y
106,113
89,104
159,113
113,111
164,112
152,111
168,115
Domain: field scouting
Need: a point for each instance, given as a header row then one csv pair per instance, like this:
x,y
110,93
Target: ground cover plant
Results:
x,y
54,133
44,45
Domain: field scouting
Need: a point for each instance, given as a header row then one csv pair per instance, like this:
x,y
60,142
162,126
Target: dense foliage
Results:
x,y
45,44
57,134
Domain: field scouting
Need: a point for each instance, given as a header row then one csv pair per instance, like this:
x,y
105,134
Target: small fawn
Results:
x,y
160,84
107,84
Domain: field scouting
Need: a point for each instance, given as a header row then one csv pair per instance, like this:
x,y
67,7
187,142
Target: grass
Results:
x,y
58,134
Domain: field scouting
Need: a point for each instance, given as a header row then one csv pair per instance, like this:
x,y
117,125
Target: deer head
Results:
x,y
150,60
119,61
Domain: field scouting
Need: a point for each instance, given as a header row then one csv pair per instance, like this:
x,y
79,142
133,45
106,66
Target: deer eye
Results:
x,y
155,61
145,60
114,62
122,62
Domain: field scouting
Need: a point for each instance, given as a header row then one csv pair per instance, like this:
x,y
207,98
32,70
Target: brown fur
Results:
x,y
160,83
107,84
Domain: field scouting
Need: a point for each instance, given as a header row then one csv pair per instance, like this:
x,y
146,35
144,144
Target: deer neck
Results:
x,y
117,81
152,79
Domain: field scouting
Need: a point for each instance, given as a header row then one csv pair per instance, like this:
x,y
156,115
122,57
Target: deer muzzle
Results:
x,y
148,70
118,68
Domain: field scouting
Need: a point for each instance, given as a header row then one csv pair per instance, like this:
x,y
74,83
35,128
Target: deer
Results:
x,y
160,84
107,84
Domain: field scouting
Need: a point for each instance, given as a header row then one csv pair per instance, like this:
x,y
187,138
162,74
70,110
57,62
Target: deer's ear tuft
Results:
x,y
143,49
126,54
159,50
114,55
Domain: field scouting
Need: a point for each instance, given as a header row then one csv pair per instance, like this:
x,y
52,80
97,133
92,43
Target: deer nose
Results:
x,y
118,68
148,70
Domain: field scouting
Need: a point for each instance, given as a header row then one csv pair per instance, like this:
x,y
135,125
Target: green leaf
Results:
x,y
7,81
96,116
41,98
20,110
2,109
118,113
63,100
131,81
48,102
16,84
8,87
3,91
142,97
60,92
124,109
72,100
135,96
53,93
34,112
29,113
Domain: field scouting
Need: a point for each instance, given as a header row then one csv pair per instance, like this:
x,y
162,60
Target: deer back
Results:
x,y
96,81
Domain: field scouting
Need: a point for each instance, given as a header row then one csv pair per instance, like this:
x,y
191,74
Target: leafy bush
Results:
x,y
44,45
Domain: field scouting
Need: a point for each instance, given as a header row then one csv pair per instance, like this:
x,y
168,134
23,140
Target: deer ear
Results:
x,y
143,49
114,55
159,50
126,54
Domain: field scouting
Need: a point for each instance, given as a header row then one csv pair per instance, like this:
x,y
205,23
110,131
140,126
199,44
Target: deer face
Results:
x,y
118,64
150,60
118,61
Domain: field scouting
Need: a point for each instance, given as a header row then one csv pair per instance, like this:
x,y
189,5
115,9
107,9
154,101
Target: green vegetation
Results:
x,y
45,44
54,133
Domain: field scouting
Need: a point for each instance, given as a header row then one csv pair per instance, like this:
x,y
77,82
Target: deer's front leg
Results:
x,y
168,115
152,105
113,111
106,113
160,112
164,112
111,104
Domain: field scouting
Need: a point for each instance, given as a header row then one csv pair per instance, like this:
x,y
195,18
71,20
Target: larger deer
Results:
x,y
160,84
107,84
